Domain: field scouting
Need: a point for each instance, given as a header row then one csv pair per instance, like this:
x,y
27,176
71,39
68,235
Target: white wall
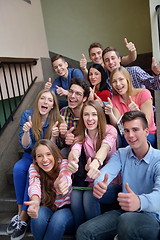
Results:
x,y
22,32
72,25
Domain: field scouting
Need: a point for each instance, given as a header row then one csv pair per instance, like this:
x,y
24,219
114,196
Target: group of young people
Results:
x,y
71,165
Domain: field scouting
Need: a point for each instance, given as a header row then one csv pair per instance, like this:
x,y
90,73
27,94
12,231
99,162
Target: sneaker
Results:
x,y
116,237
20,231
13,224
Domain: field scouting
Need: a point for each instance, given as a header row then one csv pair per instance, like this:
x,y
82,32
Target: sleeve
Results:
x,y
77,73
77,146
143,96
150,202
34,182
150,82
64,172
111,136
55,83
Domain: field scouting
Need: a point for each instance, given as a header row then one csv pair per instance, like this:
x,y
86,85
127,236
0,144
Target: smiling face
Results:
x,y
45,103
94,76
135,134
76,97
111,60
44,158
90,118
96,55
119,83
60,67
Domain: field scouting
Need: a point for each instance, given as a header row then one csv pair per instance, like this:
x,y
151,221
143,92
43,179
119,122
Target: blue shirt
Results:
x,y
143,176
24,119
65,82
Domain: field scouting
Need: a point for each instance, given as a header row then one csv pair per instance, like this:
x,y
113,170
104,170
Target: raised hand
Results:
x,y
109,107
48,84
61,185
155,66
55,130
83,63
98,99
133,106
92,168
72,162
129,45
63,127
33,208
128,201
101,187
61,91
28,125
69,137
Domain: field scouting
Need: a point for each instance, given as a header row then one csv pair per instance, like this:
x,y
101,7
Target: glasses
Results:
x,y
78,94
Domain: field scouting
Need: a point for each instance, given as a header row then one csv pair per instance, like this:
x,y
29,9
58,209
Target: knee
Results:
x,y
82,232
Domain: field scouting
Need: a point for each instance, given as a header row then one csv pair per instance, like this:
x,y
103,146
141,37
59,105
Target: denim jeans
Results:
x,y
51,225
85,206
21,179
128,226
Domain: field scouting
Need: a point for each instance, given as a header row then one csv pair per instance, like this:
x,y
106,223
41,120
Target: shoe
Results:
x,y
116,237
20,231
13,224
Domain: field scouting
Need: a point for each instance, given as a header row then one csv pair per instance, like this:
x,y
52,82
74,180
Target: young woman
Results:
x,y
99,88
42,122
99,142
126,98
49,192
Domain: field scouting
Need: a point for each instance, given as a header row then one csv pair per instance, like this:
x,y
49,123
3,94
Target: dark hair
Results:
x,y
103,84
94,45
132,115
56,57
48,194
82,83
109,49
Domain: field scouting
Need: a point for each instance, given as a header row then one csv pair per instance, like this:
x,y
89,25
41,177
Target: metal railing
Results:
x,y
16,78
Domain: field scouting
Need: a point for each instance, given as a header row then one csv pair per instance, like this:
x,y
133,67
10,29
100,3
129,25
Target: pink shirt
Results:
x,y
35,184
139,99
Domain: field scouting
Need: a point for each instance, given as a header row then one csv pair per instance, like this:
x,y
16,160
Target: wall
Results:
x,y
71,26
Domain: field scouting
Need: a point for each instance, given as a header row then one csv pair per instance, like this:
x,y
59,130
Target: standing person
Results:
x,y
61,84
139,216
126,98
99,88
99,142
49,192
140,79
42,122
95,54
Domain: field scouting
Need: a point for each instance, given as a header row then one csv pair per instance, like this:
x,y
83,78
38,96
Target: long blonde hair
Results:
x,y
101,127
54,115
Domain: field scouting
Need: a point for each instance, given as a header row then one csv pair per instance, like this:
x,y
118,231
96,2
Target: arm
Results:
x,y
112,112
25,130
34,182
132,53
83,66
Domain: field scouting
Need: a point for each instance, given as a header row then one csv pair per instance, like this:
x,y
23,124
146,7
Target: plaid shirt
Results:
x,y
70,119
141,79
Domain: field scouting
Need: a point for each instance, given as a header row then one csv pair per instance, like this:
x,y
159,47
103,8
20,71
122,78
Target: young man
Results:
x,y
61,84
95,54
139,213
140,79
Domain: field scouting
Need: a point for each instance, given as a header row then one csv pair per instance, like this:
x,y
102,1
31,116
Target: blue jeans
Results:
x,y
85,206
128,226
21,179
51,225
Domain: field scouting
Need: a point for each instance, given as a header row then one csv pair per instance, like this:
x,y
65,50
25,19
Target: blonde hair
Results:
x,y
127,77
53,116
101,127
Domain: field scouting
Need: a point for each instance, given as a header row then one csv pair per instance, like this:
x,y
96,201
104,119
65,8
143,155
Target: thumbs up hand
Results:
x,y
63,127
83,63
73,162
28,125
55,130
133,106
101,187
129,45
48,84
33,206
61,184
92,168
128,201
109,107
69,137
155,66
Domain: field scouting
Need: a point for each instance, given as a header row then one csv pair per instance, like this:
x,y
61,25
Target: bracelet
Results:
x,y
99,161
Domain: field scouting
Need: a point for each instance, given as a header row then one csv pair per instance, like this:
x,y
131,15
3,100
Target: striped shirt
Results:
x,y
35,184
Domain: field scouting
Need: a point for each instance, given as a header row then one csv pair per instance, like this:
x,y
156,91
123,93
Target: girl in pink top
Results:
x,y
49,192
99,142
126,98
